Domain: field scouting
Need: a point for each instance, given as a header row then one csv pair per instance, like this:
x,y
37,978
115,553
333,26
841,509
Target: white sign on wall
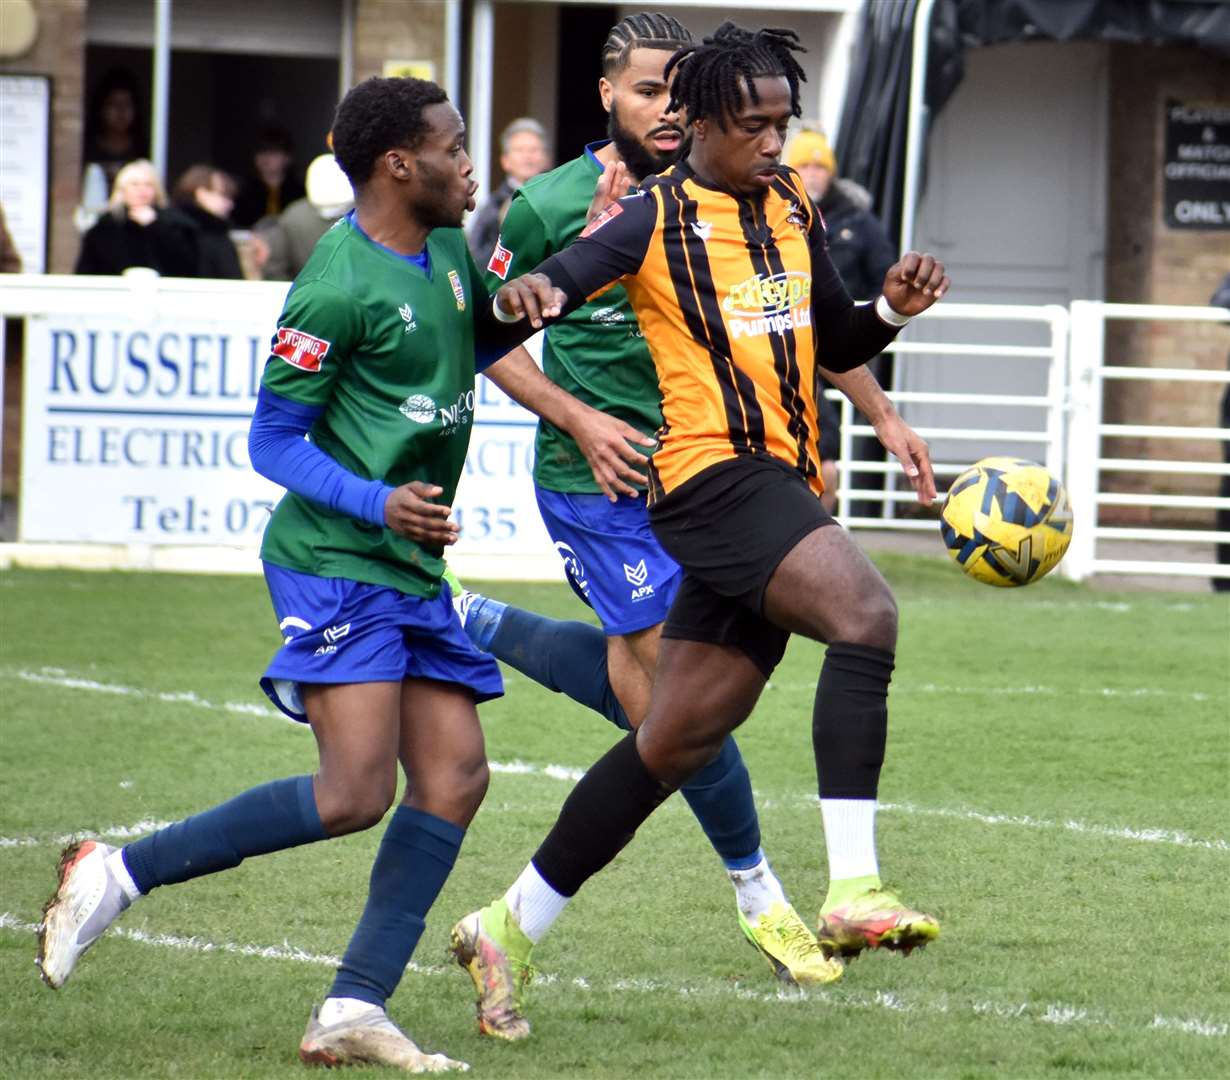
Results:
x,y
135,431
25,132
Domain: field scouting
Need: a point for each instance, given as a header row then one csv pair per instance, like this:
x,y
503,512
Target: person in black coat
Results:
x,y
139,229
206,196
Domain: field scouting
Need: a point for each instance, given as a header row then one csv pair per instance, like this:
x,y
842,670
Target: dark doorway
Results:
x,y
579,118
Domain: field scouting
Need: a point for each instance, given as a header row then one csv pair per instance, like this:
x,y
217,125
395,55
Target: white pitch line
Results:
x,y
1143,834
1046,1013
1028,690
108,832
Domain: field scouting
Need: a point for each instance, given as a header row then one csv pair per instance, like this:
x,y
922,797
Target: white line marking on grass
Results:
x,y
1174,837
59,677
1029,690
108,832
1047,1013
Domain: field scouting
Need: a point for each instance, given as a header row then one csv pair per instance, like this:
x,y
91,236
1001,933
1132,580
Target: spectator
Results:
x,y
272,186
114,129
858,242
1221,298
523,153
10,257
139,229
862,252
205,196
291,236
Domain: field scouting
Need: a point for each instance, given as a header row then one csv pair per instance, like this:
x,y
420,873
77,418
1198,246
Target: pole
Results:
x,y
482,54
916,130
162,86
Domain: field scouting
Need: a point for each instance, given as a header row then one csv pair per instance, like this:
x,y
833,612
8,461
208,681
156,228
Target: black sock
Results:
x,y
849,724
599,817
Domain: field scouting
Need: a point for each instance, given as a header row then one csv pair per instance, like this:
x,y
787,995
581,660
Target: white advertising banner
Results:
x,y
135,431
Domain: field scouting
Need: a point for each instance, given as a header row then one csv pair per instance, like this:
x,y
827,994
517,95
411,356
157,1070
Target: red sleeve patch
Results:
x,y
500,262
609,214
299,349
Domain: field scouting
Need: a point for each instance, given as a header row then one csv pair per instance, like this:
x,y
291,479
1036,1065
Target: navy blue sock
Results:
x,y
565,656
274,816
720,796
415,857
571,658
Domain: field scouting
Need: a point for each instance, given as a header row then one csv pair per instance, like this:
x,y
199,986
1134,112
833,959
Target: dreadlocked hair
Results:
x,y
378,115
646,30
711,78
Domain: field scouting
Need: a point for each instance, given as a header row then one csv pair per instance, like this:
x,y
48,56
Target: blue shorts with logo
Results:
x,y
612,558
336,630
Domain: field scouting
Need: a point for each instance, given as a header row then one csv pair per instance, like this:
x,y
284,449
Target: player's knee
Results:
x,y
471,781
875,622
356,806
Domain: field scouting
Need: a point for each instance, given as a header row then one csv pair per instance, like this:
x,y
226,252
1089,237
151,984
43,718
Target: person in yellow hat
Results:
x,y
860,249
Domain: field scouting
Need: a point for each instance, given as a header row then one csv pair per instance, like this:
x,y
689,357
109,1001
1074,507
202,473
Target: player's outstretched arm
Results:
x,y
895,435
606,441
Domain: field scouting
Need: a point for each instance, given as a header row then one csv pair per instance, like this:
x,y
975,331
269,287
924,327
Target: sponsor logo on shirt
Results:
x,y
769,305
500,262
457,415
609,214
607,315
419,408
407,314
299,349
458,292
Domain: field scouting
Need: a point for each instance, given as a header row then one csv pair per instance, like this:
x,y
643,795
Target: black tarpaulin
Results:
x,y
872,134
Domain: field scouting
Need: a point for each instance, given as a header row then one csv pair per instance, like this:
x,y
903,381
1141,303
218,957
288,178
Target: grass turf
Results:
x,y
1056,793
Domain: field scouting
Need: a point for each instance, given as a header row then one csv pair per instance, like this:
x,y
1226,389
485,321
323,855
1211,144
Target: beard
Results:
x,y
640,160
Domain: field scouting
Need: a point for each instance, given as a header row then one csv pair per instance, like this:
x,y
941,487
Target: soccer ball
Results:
x,y
1006,522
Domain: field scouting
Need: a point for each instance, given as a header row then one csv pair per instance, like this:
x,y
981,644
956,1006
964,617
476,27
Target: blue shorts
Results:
x,y
340,631
611,557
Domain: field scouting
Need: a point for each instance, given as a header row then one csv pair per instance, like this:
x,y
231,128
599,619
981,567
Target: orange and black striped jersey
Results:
x,y
736,296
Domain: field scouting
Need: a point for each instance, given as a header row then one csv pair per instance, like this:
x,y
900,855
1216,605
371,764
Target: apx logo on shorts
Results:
x,y
638,576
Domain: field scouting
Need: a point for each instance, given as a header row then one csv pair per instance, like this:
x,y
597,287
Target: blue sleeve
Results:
x,y
279,451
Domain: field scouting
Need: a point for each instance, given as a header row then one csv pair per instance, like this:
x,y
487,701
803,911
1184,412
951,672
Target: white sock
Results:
x,y
337,1009
119,871
757,889
534,904
850,837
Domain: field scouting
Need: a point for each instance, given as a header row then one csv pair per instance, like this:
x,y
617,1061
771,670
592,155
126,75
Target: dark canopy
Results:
x,y
871,139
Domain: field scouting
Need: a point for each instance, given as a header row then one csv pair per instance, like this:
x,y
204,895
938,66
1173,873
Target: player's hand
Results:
x,y
533,297
914,283
409,512
607,443
909,448
613,185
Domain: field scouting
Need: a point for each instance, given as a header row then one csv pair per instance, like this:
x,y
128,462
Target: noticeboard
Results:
x,y
1196,168
25,157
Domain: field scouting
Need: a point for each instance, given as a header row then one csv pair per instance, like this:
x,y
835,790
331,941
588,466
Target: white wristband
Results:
x,y
499,314
886,313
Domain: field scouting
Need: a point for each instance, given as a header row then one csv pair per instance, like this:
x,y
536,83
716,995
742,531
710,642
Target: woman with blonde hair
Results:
x,y
139,229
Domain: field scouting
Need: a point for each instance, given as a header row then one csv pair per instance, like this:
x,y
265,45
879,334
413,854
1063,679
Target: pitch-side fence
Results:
x,y
1041,399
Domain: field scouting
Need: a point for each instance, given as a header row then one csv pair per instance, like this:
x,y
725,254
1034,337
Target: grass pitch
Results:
x,y
1056,793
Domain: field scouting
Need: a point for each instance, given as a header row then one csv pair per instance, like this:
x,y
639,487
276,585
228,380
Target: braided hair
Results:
x,y
711,78
645,30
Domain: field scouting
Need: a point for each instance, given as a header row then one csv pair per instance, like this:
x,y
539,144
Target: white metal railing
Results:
x,y
1068,435
1049,436
1086,463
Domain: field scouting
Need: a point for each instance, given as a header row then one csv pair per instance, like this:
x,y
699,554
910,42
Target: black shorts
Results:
x,y
729,527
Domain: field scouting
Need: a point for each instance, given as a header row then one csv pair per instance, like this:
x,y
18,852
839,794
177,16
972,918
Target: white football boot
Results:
x,y
370,1038
87,901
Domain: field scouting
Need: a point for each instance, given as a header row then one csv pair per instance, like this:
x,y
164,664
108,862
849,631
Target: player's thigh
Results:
x,y
356,728
643,645
701,693
826,588
442,750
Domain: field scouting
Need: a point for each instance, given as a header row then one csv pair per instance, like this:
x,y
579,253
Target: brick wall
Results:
x,y
59,51
396,30
1148,262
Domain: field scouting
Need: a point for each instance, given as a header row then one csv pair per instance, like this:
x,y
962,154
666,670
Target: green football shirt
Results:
x,y
597,352
388,350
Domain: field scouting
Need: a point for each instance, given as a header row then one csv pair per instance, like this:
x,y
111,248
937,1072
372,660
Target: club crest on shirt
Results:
x,y
454,279
300,350
500,262
795,217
